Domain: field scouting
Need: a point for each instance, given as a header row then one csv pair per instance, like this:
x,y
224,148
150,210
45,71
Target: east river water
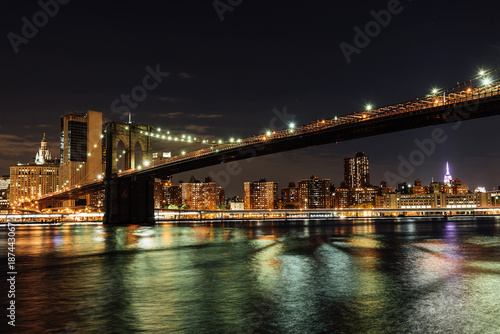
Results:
x,y
385,276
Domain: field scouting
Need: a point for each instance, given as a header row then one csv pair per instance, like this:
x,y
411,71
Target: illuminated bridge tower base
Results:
x,y
129,199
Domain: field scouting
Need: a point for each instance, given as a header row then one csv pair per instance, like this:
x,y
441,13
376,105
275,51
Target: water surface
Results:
x,y
401,276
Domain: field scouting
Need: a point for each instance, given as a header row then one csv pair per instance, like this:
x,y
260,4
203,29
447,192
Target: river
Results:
x,y
362,276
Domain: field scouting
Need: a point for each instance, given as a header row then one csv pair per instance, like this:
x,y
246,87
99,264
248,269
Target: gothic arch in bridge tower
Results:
x,y
135,144
121,151
138,154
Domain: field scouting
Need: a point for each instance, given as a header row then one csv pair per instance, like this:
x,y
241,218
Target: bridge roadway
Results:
x,y
459,103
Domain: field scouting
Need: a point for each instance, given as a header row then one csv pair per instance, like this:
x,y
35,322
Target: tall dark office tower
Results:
x,y
357,171
81,147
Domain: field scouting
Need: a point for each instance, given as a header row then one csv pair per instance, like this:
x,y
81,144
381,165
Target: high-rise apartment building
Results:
x,y
357,171
290,194
199,195
314,193
260,195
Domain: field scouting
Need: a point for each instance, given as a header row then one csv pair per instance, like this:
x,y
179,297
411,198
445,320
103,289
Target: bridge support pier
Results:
x,y
129,201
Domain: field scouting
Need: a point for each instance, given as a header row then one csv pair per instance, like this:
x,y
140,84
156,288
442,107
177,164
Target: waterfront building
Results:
x,y
260,195
235,205
362,196
418,188
357,171
221,197
172,195
459,188
341,199
159,194
36,178
314,193
199,195
290,195
437,200
4,191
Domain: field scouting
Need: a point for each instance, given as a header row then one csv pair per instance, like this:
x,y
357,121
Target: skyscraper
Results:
x,y
447,177
357,171
81,147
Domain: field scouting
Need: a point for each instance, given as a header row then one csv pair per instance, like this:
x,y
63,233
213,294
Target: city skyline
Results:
x,y
337,182
240,82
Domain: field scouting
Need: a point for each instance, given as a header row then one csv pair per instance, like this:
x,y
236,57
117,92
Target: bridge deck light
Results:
x,y
481,73
486,81
268,133
291,126
368,107
146,163
231,140
434,91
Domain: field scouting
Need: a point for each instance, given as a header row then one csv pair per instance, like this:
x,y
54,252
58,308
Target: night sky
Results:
x,y
234,77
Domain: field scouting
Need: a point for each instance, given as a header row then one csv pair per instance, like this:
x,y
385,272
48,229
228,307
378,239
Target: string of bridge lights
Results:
x,y
156,133
484,77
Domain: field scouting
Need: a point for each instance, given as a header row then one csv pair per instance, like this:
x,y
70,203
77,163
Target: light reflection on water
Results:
x,y
324,277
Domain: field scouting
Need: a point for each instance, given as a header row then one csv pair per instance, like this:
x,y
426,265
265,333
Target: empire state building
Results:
x,y
447,176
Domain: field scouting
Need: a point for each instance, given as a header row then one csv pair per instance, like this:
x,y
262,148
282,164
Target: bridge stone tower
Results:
x,y
129,200
130,135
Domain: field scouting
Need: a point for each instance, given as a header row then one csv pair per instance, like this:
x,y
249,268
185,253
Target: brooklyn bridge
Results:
x,y
129,191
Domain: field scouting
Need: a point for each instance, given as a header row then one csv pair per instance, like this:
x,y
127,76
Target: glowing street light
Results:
x,y
486,81
368,107
434,91
481,73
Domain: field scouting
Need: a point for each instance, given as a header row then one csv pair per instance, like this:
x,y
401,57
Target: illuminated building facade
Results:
x,y
4,191
447,176
200,195
221,196
437,200
82,156
362,196
159,195
357,171
172,195
34,179
290,194
314,193
260,195
341,199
